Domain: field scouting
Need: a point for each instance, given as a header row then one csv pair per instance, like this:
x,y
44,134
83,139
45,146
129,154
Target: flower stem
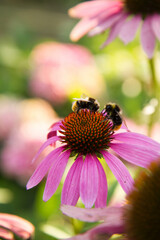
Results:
x,y
154,80
77,225
155,94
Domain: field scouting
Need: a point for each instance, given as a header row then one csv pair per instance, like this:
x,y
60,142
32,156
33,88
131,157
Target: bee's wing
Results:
x,y
83,97
124,125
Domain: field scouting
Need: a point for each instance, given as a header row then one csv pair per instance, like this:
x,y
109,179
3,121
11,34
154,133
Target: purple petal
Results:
x,y
139,139
113,221
89,181
92,8
88,23
148,39
101,200
115,29
70,191
108,22
102,231
55,175
46,144
92,214
129,29
136,154
155,21
56,126
19,226
83,27
43,167
119,170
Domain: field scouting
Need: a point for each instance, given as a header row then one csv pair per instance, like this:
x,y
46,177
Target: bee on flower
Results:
x,y
89,134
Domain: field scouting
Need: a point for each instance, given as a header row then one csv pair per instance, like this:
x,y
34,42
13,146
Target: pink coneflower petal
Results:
x,y
115,29
55,174
139,139
89,182
45,144
88,23
56,126
82,28
70,191
110,20
155,21
92,8
43,167
113,222
19,226
148,39
101,200
102,231
119,170
136,154
92,214
129,29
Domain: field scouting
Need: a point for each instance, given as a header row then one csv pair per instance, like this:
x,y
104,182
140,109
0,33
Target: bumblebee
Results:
x,y
113,112
85,103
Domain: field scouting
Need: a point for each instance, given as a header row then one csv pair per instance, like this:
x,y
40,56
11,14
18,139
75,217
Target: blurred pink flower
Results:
x,y
155,132
11,225
88,136
60,70
136,219
25,139
9,115
122,17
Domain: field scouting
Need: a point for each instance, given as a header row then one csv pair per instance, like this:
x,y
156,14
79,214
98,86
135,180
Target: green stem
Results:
x,y
154,80
155,94
77,225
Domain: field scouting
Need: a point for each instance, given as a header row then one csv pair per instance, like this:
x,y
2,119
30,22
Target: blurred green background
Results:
x,y
124,78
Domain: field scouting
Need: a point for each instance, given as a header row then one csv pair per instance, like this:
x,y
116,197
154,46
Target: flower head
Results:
x,y
88,136
137,219
123,17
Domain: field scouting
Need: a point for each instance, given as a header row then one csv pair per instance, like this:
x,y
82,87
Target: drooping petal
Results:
x,y
148,39
139,139
88,23
136,154
102,231
89,181
101,200
55,175
92,214
119,170
115,29
44,145
43,167
82,27
53,130
56,126
70,191
155,21
129,29
19,226
113,223
92,8
110,20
